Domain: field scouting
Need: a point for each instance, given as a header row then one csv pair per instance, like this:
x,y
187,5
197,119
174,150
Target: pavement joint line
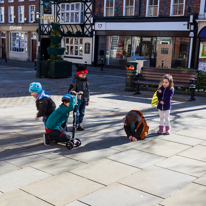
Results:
x,y
197,183
83,202
88,179
140,190
35,196
191,157
42,170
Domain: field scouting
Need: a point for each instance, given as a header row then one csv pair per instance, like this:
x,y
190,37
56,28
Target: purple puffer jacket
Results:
x,y
166,97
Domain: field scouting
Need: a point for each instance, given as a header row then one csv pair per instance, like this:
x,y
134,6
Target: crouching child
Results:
x,y
54,130
135,125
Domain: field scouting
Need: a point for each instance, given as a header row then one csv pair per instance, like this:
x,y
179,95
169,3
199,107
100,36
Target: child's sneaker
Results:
x,y
160,131
168,129
46,140
80,128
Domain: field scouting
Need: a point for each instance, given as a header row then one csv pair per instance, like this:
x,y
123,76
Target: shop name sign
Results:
x,y
47,17
164,50
15,27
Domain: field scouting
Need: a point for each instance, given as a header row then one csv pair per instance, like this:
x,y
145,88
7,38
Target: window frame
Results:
x,y
2,1
70,12
2,15
19,9
105,2
124,9
10,42
30,20
147,9
73,44
10,1
9,14
171,8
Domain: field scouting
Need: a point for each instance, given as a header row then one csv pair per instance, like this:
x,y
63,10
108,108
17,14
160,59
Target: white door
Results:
x,y
87,55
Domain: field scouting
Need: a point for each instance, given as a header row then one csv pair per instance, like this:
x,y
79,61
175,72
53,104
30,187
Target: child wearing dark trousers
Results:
x,y
80,83
55,131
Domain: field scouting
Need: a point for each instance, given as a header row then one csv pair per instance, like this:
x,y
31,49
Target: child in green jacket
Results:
x,y
54,130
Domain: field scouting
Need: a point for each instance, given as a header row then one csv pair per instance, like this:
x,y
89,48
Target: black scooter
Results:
x,y
74,141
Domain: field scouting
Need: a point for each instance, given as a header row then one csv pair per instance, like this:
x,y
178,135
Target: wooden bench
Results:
x,y
181,78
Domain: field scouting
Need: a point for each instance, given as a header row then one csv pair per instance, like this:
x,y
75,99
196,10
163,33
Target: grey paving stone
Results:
x,y
197,152
201,180
191,195
20,198
76,203
117,194
184,165
16,179
105,171
62,189
136,158
182,139
58,165
193,132
203,143
6,167
157,181
91,154
162,147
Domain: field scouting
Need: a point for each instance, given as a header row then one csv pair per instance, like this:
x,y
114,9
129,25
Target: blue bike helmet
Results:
x,y
66,97
35,87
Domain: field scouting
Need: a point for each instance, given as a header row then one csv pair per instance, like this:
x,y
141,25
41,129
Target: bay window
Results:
x,y
18,42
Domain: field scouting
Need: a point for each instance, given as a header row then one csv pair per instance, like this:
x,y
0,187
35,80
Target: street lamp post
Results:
x,y
38,63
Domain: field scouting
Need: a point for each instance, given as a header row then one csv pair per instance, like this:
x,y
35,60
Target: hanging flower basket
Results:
x,y
55,51
55,39
55,26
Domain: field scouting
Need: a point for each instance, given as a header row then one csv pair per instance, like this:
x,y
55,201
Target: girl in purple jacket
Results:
x,y
164,94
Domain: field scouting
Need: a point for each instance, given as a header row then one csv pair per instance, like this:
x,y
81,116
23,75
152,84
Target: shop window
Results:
x,y
1,1
177,7
10,0
1,14
21,14
129,7
11,14
74,47
3,35
109,8
72,13
136,46
33,35
31,13
152,8
18,42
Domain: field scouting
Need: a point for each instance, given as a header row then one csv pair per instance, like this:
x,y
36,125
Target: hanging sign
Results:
x,y
47,17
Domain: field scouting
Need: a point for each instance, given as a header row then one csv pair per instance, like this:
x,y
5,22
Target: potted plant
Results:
x,y
55,25
78,33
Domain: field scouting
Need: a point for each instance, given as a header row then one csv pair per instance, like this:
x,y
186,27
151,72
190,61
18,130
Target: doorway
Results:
x,y
3,40
45,43
33,42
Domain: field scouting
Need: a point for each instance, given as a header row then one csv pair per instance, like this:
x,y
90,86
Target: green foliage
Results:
x,y
78,32
201,82
69,33
56,46
56,33
54,58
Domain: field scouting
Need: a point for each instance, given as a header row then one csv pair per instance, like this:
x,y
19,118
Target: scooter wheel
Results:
x,y
69,145
77,142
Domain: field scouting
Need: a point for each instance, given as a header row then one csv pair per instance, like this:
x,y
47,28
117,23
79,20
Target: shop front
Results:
x,y
18,42
164,44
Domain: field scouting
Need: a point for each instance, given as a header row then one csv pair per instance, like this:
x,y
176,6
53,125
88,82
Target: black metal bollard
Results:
x,y
35,64
5,57
162,63
102,61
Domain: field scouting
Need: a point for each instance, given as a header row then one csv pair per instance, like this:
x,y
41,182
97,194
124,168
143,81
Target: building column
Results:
x,y
190,52
28,46
7,44
202,8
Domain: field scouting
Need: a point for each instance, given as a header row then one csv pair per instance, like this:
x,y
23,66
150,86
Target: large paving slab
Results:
x,y
201,180
191,195
162,147
197,152
157,181
121,195
184,165
16,179
91,154
76,203
193,132
136,158
182,139
105,171
62,189
58,165
6,167
20,198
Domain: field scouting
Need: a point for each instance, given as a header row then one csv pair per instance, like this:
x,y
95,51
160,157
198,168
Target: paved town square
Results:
x,y
107,169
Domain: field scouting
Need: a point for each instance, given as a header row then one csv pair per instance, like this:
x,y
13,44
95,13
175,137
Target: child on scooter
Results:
x,y
80,83
54,130
45,105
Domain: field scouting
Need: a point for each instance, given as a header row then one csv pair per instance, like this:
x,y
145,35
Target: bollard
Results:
x,y
102,63
85,64
162,63
35,64
5,57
